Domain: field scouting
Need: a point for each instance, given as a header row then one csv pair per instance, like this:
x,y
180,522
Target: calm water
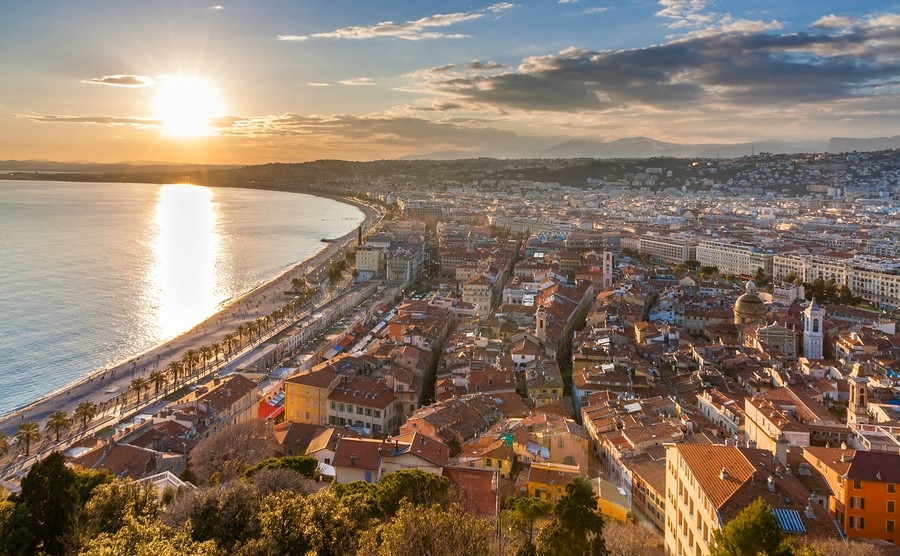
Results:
x,y
94,274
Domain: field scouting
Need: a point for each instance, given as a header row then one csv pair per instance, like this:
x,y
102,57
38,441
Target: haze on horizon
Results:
x,y
251,82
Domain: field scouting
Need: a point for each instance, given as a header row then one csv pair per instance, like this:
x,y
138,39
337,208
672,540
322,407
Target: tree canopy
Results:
x,y
754,530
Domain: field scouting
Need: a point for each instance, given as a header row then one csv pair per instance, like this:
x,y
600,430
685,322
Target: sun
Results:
x,y
186,106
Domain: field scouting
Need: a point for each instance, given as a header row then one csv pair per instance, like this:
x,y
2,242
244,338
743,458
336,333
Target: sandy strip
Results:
x,y
105,384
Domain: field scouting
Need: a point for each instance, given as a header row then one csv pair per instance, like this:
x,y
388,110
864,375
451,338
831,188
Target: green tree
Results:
x,y
43,521
522,514
112,504
417,487
27,433
433,531
692,264
57,422
760,278
577,527
304,465
754,530
4,444
148,537
228,515
84,412
86,480
708,271
320,524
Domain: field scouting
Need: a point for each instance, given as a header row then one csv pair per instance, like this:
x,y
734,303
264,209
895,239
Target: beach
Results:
x,y
106,384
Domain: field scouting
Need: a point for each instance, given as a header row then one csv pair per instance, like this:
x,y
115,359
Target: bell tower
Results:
x,y
540,321
813,317
856,408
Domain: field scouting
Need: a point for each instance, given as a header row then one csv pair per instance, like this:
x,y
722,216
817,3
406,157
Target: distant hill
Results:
x,y
634,147
846,144
51,166
644,147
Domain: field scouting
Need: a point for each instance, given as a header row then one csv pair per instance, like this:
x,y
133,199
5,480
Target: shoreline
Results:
x,y
259,301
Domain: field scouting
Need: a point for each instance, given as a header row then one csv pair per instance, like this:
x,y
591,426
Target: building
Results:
x,y
708,485
813,330
864,487
735,257
306,395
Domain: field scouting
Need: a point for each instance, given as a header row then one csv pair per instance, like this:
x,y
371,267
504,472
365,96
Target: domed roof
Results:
x,y
750,304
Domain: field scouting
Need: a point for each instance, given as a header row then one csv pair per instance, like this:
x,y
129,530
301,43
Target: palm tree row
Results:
x,y
192,361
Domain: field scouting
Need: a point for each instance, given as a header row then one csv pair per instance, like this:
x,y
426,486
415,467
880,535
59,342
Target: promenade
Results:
x,y
108,388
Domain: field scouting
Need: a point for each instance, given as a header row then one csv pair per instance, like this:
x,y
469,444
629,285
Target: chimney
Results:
x,y
845,457
810,514
781,450
723,474
770,482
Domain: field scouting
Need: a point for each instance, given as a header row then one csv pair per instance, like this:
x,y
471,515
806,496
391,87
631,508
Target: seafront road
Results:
x,y
104,386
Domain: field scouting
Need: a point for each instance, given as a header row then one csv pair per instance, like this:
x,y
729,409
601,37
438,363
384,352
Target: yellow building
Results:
x,y
548,481
306,395
490,454
611,502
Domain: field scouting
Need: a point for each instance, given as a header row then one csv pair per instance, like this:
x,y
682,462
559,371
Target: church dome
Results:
x,y
749,307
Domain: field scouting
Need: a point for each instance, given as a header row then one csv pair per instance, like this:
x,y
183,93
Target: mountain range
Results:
x,y
644,147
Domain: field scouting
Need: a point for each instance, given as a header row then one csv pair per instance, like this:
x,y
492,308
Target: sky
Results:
x,y
295,80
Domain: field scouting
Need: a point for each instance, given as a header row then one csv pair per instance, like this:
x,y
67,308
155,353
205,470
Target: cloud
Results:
x,y
685,13
595,10
742,67
834,22
566,1
416,30
358,81
98,120
134,81
477,65
217,7
318,84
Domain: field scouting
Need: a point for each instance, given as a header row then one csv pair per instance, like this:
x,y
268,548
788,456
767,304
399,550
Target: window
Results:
x,y
857,484
349,408
856,522
890,506
368,412
359,410
890,526
341,407
892,487
332,405
487,462
856,502
378,414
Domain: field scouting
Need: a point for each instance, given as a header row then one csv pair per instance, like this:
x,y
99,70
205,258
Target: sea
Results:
x,y
94,274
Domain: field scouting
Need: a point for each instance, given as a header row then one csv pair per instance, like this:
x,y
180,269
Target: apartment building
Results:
x,y
735,257
668,249
708,485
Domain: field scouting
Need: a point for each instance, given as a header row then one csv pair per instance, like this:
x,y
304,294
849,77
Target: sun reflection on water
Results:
x,y
186,247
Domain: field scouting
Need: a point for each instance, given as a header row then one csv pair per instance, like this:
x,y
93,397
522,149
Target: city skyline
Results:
x,y
240,82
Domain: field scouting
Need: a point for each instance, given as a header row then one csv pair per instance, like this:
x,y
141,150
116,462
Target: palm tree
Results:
x,y
4,444
190,359
217,349
158,378
85,411
227,341
28,433
206,353
58,421
173,368
138,385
